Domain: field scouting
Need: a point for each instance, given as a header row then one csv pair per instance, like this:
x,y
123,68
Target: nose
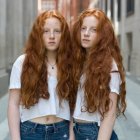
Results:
x,y
52,34
86,32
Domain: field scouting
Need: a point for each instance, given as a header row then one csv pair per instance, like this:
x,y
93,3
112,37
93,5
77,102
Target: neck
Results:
x,y
88,51
51,57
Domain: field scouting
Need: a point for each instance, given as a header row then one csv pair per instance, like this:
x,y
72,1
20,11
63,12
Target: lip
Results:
x,y
85,40
52,42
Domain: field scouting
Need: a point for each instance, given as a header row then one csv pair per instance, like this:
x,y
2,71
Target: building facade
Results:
x,y
69,8
16,19
125,15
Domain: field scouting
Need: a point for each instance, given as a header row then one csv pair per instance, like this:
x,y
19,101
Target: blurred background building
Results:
x,y
69,8
17,16
16,19
125,15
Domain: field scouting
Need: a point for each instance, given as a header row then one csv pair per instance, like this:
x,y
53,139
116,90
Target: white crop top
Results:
x,y
43,107
95,117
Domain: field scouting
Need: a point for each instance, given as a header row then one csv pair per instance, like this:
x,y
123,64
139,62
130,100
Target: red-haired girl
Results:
x,y
99,77
40,82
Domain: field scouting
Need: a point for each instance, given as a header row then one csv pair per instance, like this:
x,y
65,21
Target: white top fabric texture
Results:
x,y
80,103
43,107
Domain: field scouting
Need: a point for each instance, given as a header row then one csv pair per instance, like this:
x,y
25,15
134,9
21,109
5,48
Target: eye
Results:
x,y
57,31
83,28
46,31
93,30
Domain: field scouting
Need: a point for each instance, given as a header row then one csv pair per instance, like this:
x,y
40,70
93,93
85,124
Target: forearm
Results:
x,y
72,137
106,127
14,122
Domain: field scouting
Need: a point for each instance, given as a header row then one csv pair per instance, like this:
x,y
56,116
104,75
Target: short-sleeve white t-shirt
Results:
x,y
43,107
80,102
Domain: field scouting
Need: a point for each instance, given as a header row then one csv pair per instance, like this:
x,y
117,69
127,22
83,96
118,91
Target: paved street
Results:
x,y
127,129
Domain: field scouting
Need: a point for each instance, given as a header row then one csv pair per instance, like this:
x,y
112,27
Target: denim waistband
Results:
x,y
85,123
29,124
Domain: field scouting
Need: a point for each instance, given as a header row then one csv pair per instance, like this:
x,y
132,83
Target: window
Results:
x,y
129,40
119,10
112,10
119,40
80,6
106,3
130,7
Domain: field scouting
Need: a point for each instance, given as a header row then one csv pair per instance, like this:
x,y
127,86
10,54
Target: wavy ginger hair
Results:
x,y
98,64
34,84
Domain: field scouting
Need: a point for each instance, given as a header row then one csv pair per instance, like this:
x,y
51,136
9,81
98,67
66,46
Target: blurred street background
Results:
x,y
16,19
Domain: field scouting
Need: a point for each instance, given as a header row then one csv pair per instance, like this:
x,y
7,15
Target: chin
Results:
x,y
51,49
85,46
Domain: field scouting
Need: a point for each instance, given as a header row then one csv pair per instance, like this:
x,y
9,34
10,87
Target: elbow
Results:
x,y
112,117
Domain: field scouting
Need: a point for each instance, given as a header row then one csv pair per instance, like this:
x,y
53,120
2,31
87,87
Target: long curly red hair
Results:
x,y
98,64
34,84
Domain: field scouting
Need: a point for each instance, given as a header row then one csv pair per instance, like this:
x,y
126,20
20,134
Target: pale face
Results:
x,y
89,32
52,34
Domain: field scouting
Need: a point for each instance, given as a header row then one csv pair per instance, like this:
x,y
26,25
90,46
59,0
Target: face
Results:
x,y
89,32
52,33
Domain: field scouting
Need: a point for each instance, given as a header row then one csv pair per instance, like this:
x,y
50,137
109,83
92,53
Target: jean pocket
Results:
x,y
24,130
87,131
60,133
114,136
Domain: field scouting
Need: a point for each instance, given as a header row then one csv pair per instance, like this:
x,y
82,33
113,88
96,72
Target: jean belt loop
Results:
x,y
54,127
74,123
33,129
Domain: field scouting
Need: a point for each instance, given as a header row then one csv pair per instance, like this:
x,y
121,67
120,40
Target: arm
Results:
x,y
13,114
108,122
72,137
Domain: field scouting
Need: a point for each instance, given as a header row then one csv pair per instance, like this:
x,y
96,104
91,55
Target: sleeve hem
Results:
x,y
115,91
14,87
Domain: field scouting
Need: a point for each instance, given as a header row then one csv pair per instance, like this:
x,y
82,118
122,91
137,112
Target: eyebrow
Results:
x,y
90,27
46,28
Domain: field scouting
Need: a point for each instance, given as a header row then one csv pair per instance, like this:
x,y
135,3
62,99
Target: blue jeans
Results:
x,y
34,131
89,131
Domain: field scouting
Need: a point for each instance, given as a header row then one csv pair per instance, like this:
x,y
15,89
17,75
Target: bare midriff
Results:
x,y
49,119
83,121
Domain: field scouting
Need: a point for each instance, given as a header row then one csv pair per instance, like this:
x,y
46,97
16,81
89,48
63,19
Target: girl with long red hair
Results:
x,y
99,77
40,82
